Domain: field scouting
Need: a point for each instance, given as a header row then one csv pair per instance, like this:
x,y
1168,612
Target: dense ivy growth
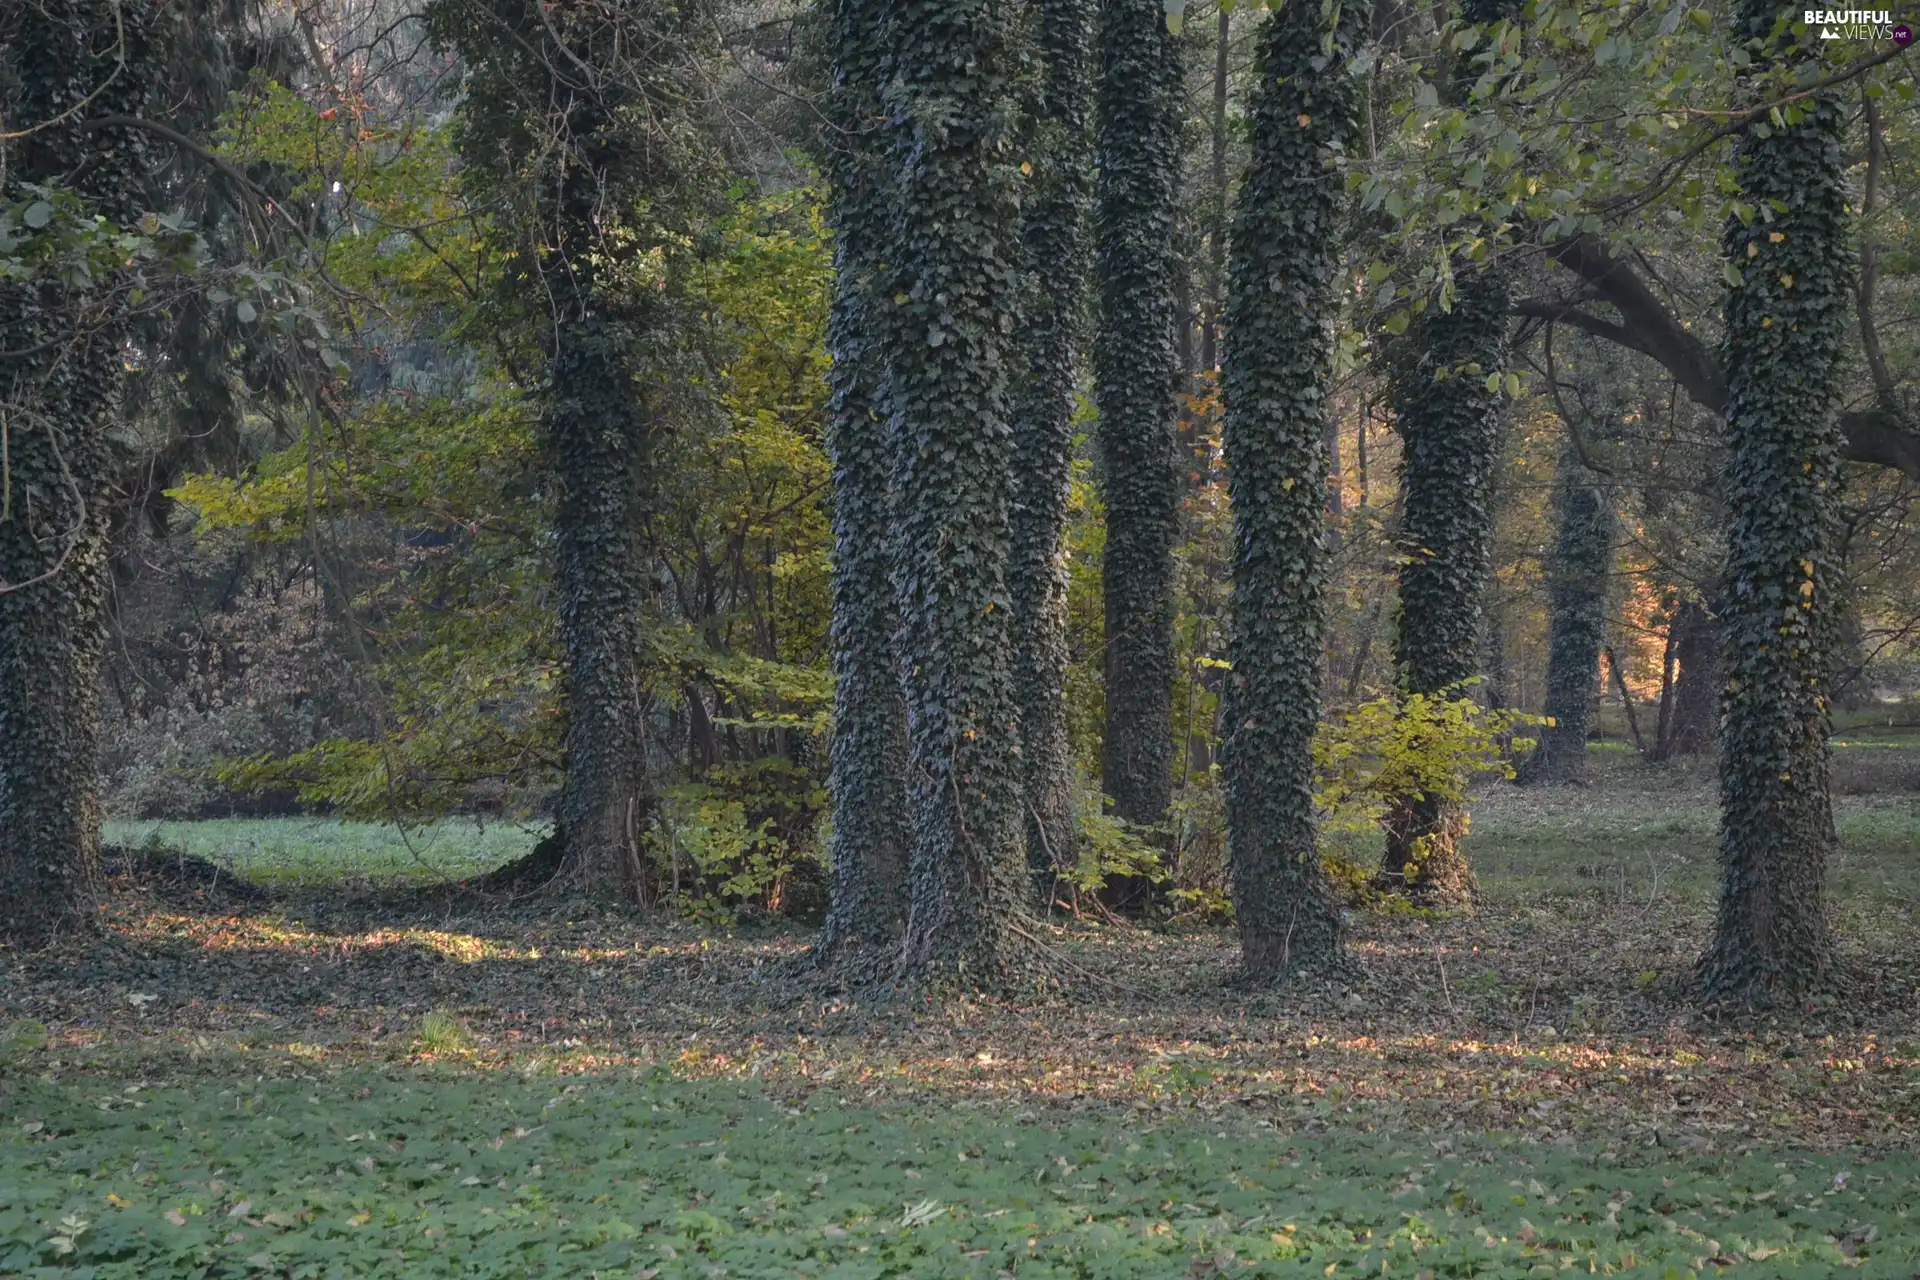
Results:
x,y
576,121
1281,299
867,770
1444,391
950,114
1577,585
1449,422
1786,323
1134,373
1055,242
71,62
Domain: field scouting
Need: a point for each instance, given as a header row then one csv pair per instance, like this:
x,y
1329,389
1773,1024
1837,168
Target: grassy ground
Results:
x,y
291,851
382,1084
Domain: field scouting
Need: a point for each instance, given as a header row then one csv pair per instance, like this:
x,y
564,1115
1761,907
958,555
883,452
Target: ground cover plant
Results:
x,y
338,1081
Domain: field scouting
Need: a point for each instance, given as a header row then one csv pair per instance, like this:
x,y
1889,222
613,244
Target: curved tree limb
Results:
x,y
1881,435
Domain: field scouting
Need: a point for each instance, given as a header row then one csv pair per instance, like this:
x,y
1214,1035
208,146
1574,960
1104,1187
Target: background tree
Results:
x,y
1134,375
1578,583
1786,323
1287,252
1055,243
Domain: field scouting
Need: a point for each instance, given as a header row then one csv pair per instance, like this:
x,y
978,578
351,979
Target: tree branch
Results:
x,y
1880,436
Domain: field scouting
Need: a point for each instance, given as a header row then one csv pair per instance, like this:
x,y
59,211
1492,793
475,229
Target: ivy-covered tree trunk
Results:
x,y
1135,373
1449,423
1449,426
1786,324
74,61
955,253
1576,618
1696,691
572,159
1056,246
866,775
1281,300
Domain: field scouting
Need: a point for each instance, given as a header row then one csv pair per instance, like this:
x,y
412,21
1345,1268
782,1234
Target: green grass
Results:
x,y
1641,832
321,850
660,1176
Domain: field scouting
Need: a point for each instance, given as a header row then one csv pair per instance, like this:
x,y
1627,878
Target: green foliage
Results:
x,y
23,1038
1424,746
501,1179
442,1033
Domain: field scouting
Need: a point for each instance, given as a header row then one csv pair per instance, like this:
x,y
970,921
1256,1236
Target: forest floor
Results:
x,y
349,1082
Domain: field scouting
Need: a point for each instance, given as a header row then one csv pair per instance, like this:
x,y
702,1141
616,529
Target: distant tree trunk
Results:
x,y
1134,381
1696,689
1786,325
1450,432
1287,250
867,765
573,156
59,388
1058,261
955,253
1576,619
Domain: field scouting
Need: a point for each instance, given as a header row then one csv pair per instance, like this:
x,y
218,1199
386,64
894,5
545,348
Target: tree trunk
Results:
x,y
866,771
57,406
1785,328
600,437
1450,432
955,67
576,157
1134,383
1696,690
1576,619
1287,250
1058,259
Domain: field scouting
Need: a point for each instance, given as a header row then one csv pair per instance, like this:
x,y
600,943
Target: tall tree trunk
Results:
x,y
1576,619
575,156
59,389
1785,326
1058,259
1134,382
1450,431
955,64
1287,244
866,772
